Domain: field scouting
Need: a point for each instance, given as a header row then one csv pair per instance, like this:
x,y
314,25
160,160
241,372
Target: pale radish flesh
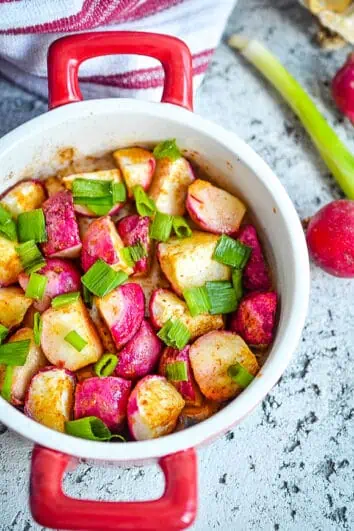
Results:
x,y
134,230
137,166
23,197
13,306
10,264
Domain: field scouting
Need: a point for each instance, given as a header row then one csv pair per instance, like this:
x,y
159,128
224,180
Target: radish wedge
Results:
x,y
13,306
23,197
137,166
10,263
134,230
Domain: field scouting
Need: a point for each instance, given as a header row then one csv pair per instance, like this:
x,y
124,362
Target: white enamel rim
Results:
x,y
271,372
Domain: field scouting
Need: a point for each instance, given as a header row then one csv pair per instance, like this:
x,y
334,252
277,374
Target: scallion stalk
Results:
x,y
75,340
197,300
144,204
65,298
240,375
3,333
7,383
36,286
37,328
31,226
14,353
181,227
177,371
161,227
106,365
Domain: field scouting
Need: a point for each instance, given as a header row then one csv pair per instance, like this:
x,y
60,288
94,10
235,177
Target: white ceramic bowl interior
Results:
x,y
94,127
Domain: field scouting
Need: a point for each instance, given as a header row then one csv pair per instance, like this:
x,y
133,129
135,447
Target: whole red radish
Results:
x,y
343,88
330,238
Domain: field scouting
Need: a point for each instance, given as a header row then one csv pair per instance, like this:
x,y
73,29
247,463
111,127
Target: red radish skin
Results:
x,y
62,228
140,355
343,88
330,238
63,277
254,319
133,230
255,275
105,398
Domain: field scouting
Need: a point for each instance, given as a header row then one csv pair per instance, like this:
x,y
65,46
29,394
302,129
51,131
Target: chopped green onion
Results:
x,y
231,252
4,215
98,205
119,192
174,334
106,365
31,226
87,295
100,210
66,298
14,353
237,283
36,286
335,154
181,227
168,149
37,328
101,279
7,383
144,204
75,340
3,333
240,375
197,300
127,257
7,225
222,297
161,227
177,371
93,188
91,428
133,254
30,256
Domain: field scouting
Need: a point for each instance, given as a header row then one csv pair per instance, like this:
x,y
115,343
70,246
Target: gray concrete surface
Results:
x,y
289,466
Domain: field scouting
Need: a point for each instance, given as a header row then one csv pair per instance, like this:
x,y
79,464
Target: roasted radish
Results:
x,y
10,263
189,263
212,355
214,209
255,274
254,319
105,398
165,305
13,306
153,408
50,397
23,197
192,415
123,312
140,355
62,228
57,324
170,184
134,230
102,329
137,166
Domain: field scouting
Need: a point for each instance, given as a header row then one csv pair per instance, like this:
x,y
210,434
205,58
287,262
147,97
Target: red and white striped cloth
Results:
x,y
27,27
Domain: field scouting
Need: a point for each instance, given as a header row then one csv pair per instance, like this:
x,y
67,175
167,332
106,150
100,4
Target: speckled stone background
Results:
x,y
289,466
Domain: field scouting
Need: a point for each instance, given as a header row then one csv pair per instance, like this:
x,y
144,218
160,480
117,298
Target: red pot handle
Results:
x,y
50,507
66,54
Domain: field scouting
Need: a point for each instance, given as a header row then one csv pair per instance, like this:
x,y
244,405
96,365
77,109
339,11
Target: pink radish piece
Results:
x,y
343,88
214,209
23,197
105,398
211,356
153,408
137,166
255,275
188,389
10,263
62,228
101,240
140,355
13,306
134,230
170,184
50,397
22,375
63,277
330,238
254,319
123,312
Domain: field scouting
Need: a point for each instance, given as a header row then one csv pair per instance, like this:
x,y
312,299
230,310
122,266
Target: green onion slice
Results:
x,y
161,227
174,334
144,204
237,283
222,297
101,279
119,192
168,149
133,254
37,328
181,227
66,298
127,257
36,286
30,256
31,226
7,383
177,371
7,225
91,428
197,300
3,333
14,353
75,340
100,210
106,365
91,188
231,252
4,215
87,295
240,375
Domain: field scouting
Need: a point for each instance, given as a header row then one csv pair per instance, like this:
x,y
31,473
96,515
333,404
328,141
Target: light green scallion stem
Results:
x,y
338,158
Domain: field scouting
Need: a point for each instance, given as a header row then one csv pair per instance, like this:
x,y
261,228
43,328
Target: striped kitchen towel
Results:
x,y
27,27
